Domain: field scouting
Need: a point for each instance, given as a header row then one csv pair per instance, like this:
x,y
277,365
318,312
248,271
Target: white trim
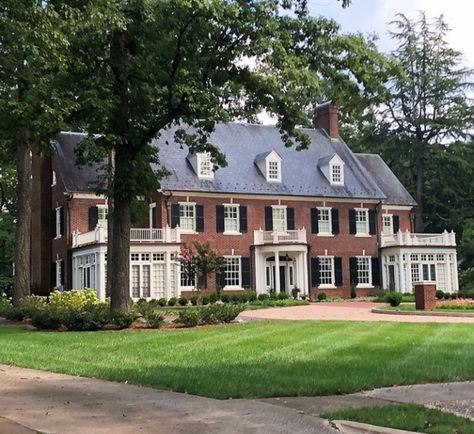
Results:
x,y
333,272
233,287
200,156
329,210
237,231
367,223
58,223
390,216
53,178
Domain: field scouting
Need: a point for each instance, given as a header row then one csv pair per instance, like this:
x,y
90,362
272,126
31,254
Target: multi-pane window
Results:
x,y
415,273
205,165
363,270
387,224
102,213
273,170
232,271
326,270
187,280
279,218
59,265
362,221
324,220
85,268
429,272
187,216
336,174
231,218
58,222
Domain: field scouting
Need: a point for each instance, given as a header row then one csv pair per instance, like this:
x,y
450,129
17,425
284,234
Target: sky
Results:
x,y
373,16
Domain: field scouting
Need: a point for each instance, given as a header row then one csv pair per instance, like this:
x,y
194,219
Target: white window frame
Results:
x,y
369,284
332,284
58,223
204,161
328,210
340,166
285,221
236,230
59,266
270,171
388,217
239,261
53,178
366,231
150,214
102,222
186,229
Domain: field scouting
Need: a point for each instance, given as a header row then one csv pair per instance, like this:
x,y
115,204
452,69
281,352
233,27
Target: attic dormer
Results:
x,y
269,164
332,167
202,165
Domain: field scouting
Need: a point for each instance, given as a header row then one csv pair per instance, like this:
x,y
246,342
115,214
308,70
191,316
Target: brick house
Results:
x,y
319,219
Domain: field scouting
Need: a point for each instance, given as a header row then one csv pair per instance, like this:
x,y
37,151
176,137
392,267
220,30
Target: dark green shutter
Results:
x,y
314,271
353,271
243,219
199,218
246,272
61,220
290,219
268,218
396,224
93,217
335,220
372,222
220,227
352,221
153,217
314,221
338,279
53,274
62,274
375,271
174,215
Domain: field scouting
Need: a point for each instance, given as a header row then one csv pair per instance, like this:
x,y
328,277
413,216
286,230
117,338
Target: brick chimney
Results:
x,y
326,117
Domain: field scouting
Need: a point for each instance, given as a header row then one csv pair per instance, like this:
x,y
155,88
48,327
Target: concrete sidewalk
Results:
x,y
32,401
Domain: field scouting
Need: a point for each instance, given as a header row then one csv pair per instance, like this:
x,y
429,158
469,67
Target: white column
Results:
x,y
277,272
260,270
100,266
304,288
168,276
455,283
408,276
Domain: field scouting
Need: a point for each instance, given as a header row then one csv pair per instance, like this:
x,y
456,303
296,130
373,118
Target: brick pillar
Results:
x,y
425,295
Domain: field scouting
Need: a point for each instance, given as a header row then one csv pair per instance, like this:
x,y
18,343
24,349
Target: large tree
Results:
x,y
422,126
148,64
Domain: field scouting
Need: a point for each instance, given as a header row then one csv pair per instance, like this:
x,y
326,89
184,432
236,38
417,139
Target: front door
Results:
x,y
282,278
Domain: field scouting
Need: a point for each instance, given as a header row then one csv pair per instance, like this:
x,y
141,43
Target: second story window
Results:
x,y
279,218
187,216
231,218
59,222
324,220
362,221
102,213
387,221
205,166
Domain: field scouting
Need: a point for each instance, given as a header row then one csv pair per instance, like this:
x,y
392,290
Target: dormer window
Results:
x,y
336,174
205,166
332,167
269,165
273,171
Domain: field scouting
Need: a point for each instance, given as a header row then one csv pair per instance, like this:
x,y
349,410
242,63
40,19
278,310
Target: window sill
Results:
x,y
365,286
233,288
231,233
187,232
58,237
362,235
324,235
327,286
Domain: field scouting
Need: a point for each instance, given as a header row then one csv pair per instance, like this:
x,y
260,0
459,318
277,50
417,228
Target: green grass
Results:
x,y
410,417
261,358
412,308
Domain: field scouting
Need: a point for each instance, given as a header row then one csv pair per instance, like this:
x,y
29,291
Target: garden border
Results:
x,y
422,313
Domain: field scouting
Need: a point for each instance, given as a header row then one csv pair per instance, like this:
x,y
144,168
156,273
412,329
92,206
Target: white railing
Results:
x,y
274,237
140,235
410,239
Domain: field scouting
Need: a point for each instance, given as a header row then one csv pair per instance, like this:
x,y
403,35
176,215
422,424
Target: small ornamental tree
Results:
x,y
201,263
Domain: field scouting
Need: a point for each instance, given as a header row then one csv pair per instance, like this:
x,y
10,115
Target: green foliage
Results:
x,y
353,290
122,320
47,319
439,294
76,299
394,298
172,301
14,314
31,304
213,297
5,304
225,298
263,297
194,300
162,302
92,318
321,296
466,293
205,299
252,296
189,317
183,301
219,313
282,296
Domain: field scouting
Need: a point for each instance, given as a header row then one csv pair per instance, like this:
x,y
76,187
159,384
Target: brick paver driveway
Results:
x,y
344,311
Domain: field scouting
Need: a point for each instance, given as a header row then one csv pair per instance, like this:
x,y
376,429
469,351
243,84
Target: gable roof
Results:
x,y
242,144
394,191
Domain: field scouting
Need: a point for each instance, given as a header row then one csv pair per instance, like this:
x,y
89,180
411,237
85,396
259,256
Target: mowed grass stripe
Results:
x,y
268,358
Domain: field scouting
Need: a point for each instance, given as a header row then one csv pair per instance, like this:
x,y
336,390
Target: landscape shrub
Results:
x,y
93,318
213,297
243,297
225,298
353,291
466,293
77,299
282,296
408,298
172,301
14,314
459,304
394,298
183,301
189,317
154,302
205,300
263,297
49,318
252,296
273,295
303,297
162,302
219,313
5,305
153,318
439,294
321,296
31,304
122,320
194,300
235,298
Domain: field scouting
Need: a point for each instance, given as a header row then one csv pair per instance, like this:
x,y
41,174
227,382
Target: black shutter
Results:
x,y
372,222
62,273
199,218
375,271
396,224
268,218
220,280
243,219
290,219
53,274
353,271
174,215
93,217
246,273
314,271
153,217
335,220
314,221
338,271
220,218
61,220
352,221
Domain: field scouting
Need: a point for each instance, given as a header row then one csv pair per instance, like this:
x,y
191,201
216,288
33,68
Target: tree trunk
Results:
x,y
110,222
419,223
119,276
23,219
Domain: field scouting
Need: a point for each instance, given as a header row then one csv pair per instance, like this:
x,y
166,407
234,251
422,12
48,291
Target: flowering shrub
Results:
x,y
460,304
29,305
77,299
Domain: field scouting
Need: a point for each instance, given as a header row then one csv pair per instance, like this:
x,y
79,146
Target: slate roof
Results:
x,y
394,191
241,143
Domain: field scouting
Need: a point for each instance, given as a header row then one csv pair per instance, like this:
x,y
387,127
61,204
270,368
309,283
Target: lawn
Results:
x,y
412,308
261,358
410,417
